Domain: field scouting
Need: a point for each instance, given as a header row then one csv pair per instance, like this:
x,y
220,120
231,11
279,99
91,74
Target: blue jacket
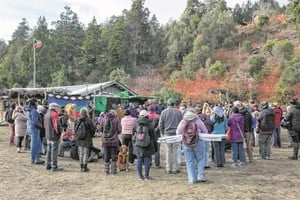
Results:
x,y
34,122
219,128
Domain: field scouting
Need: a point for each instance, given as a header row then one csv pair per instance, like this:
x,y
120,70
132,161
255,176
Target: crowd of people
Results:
x,y
52,130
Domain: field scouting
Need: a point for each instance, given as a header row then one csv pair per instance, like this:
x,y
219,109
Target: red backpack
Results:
x,y
190,136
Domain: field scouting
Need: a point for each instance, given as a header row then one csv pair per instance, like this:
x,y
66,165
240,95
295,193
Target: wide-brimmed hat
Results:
x,y
53,106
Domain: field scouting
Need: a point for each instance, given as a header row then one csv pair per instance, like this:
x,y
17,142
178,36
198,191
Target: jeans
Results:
x,y
157,155
139,166
265,145
219,147
179,153
171,157
206,156
276,141
194,157
238,152
64,146
83,153
52,153
35,145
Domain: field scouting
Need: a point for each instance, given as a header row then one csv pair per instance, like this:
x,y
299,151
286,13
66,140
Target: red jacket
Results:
x,y
278,116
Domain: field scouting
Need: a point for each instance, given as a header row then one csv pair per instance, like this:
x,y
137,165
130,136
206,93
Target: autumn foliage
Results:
x,y
202,88
265,88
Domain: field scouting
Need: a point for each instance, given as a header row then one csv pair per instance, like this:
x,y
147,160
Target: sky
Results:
x,y
12,11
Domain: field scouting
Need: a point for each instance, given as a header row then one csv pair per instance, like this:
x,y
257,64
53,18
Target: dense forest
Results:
x,y
211,53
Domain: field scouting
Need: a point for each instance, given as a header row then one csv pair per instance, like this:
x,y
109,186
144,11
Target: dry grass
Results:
x,y
264,179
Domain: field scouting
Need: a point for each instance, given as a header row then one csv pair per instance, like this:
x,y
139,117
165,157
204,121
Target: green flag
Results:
x,y
123,94
100,103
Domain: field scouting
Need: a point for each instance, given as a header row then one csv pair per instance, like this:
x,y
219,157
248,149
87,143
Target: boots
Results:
x,y
81,168
113,167
85,168
295,152
19,150
106,168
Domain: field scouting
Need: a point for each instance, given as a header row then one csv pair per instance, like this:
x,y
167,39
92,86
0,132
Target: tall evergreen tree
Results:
x,y
68,37
92,48
137,25
12,62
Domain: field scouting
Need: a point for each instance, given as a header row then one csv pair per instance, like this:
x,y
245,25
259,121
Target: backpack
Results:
x,y
267,122
109,129
63,119
207,122
8,116
142,136
190,135
80,131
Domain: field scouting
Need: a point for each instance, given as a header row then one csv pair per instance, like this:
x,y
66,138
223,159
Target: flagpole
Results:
x,y
34,67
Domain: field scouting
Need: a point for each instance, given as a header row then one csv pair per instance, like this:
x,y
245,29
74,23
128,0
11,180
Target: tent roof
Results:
x,y
73,89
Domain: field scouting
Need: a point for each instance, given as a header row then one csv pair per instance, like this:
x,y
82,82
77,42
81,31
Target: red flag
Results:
x,y
37,43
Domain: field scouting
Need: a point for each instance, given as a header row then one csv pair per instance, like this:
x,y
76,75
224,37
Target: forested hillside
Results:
x,y
212,52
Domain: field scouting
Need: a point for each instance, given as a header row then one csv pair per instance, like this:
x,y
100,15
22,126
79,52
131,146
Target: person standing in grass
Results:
x,y
266,124
145,149
53,133
34,126
86,143
168,123
293,116
111,128
11,124
20,126
195,154
219,122
236,124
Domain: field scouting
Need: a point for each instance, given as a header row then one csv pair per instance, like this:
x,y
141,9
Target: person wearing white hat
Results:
x,y
53,133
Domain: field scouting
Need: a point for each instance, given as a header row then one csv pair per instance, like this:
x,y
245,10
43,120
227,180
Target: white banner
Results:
x,y
202,136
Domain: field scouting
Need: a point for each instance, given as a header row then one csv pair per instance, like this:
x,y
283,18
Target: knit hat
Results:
x,y
189,115
53,106
143,113
264,104
242,108
151,108
171,102
41,109
237,103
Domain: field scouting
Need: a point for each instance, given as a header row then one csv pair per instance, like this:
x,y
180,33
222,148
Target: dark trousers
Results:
x,y
110,153
296,142
19,141
126,139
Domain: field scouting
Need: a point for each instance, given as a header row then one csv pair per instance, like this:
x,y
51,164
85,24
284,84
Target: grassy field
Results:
x,y
277,178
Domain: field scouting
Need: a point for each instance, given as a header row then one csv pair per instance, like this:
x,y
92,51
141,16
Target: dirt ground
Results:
x,y
278,178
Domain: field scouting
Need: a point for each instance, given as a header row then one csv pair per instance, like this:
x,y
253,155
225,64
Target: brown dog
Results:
x,y
122,162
